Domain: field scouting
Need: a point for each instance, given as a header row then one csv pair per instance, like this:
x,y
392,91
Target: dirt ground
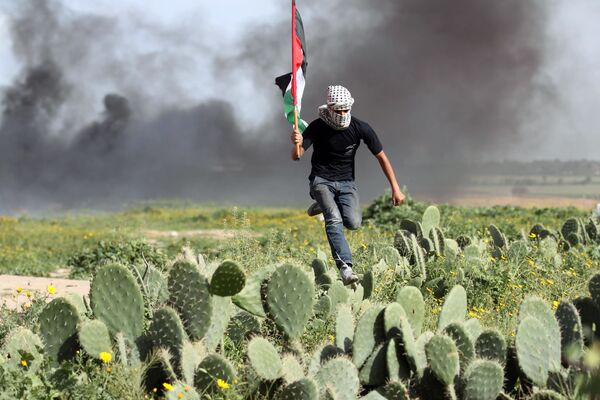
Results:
x,y
9,284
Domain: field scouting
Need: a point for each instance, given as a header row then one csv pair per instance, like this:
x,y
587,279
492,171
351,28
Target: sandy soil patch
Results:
x,y
220,234
12,299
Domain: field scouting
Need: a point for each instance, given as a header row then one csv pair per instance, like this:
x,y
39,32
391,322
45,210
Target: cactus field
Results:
x,y
454,303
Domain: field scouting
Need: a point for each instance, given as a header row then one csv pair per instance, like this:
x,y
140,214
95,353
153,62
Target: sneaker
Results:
x,y
314,209
348,276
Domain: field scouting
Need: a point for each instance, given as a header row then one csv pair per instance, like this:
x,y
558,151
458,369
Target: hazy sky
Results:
x,y
573,66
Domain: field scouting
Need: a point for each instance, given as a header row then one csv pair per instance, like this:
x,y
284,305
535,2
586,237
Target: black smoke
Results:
x,y
442,82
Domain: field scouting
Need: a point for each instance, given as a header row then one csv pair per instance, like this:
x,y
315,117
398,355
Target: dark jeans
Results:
x,y
339,202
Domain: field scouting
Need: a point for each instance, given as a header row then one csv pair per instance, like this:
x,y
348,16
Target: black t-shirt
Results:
x,y
334,151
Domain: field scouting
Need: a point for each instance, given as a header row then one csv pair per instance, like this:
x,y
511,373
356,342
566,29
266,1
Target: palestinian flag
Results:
x,y
292,84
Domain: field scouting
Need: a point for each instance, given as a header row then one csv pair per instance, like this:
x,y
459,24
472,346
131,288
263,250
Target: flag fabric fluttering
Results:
x,y
292,84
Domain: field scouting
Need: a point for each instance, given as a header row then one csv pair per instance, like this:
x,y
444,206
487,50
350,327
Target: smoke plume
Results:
x,y
440,81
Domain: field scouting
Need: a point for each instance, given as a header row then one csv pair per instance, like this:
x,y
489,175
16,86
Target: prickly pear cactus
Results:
x,y
402,243
303,389
413,227
227,280
94,337
466,349
117,300
395,390
594,287
291,368
211,369
344,328
498,237
265,359
571,226
411,300
443,359
22,340
537,308
190,358
166,331
431,219
58,329
571,331
454,308
437,239
370,331
218,322
182,391
249,299
374,372
490,345
484,380
341,377
322,307
290,294
532,350
189,295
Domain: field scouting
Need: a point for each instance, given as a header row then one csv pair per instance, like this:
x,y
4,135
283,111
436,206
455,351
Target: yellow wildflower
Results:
x,y
554,304
19,289
549,281
168,386
108,369
51,289
28,294
180,395
331,338
105,356
187,388
154,390
222,384
24,363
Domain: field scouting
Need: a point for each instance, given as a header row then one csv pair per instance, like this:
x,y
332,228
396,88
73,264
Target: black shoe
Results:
x,y
314,209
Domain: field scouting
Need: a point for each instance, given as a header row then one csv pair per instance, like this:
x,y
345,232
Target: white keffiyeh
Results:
x,y
338,98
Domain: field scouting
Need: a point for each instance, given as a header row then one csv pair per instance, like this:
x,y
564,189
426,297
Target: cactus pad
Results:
x,y
290,294
58,329
303,389
454,308
222,309
190,358
402,243
594,287
116,299
249,298
533,350
166,331
210,370
498,237
292,368
571,331
374,371
370,331
265,359
94,337
466,349
411,300
22,339
490,345
442,356
395,390
322,308
341,377
431,219
189,295
227,280
344,328
484,380
536,308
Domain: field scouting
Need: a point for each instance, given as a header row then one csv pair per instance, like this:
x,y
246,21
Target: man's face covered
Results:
x,y
336,113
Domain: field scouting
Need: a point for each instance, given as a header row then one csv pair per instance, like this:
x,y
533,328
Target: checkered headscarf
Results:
x,y
338,98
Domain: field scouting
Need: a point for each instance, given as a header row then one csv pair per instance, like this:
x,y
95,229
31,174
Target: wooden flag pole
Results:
x,y
295,130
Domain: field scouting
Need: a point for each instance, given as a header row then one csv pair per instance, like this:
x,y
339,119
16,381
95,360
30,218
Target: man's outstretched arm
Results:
x,y
386,166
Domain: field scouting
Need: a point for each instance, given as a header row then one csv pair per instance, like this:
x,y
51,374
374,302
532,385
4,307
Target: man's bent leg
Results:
x,y
324,193
349,205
